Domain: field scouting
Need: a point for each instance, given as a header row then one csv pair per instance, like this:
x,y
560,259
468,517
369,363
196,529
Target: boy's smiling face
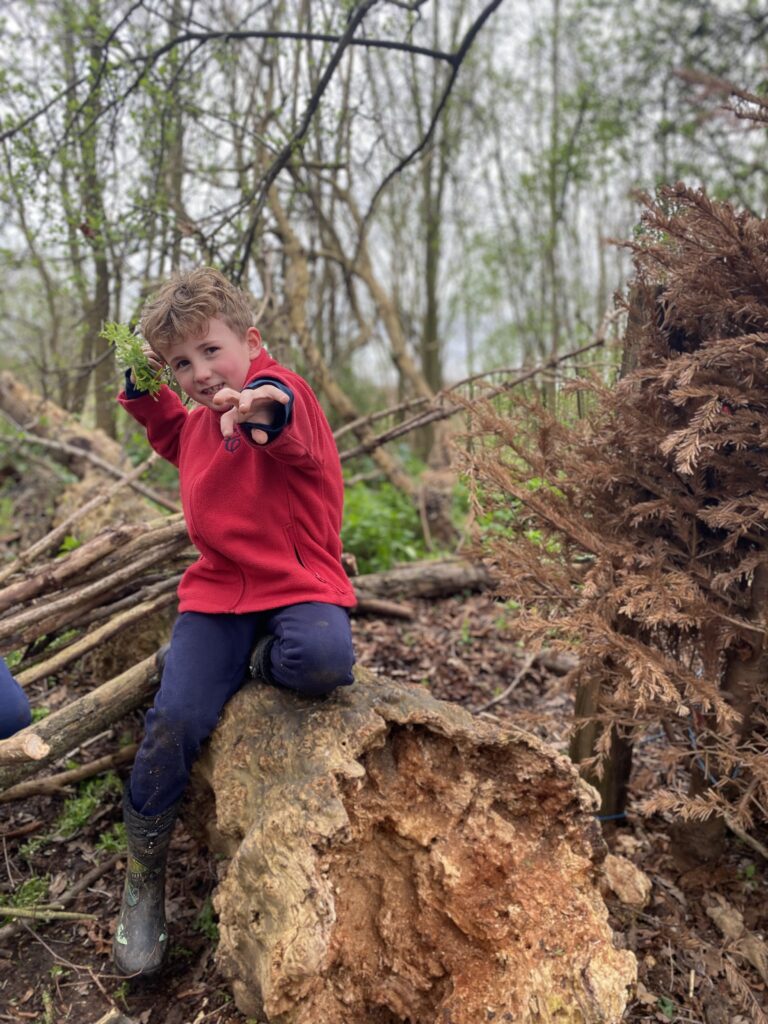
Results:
x,y
219,359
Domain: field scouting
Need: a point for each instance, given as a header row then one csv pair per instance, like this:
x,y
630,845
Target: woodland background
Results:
x,y
424,201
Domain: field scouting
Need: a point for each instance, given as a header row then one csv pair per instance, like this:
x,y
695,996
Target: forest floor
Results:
x,y
464,650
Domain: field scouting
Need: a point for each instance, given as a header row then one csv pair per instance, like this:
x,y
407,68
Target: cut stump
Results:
x,y
395,860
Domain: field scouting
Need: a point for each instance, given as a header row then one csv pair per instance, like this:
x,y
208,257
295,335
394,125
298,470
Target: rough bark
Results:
x,y
394,859
425,579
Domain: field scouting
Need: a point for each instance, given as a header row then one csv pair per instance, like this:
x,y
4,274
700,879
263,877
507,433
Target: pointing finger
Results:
x,y
270,392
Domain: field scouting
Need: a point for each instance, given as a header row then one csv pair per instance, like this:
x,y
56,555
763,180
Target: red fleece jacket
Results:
x,y
265,518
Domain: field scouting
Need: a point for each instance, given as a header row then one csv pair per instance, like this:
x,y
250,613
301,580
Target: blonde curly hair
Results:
x,y
185,304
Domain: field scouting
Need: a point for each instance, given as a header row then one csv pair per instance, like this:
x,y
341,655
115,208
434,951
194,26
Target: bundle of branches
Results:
x,y
641,537
121,575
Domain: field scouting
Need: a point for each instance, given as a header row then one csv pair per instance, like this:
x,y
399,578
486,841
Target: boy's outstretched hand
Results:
x,y
155,362
247,406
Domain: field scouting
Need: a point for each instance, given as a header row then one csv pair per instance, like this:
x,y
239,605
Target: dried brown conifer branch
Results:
x,y
743,103
653,512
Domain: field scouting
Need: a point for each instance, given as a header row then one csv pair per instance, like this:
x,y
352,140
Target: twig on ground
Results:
x,y
521,674
44,914
54,783
8,931
23,830
67,963
375,606
745,837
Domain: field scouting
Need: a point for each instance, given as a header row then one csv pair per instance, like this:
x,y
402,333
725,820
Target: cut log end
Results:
x,y
24,746
395,860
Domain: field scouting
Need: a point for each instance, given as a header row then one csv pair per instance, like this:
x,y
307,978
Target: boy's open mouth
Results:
x,y
212,389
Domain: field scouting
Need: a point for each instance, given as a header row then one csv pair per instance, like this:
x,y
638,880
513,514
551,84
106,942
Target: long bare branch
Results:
x,y
439,409
297,137
131,478
456,62
148,60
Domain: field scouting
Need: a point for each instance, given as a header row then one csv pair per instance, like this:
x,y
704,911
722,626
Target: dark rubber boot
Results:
x,y
141,936
260,664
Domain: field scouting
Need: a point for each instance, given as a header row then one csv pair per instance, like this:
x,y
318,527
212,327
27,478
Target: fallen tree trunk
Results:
x,y
395,860
425,579
49,421
84,450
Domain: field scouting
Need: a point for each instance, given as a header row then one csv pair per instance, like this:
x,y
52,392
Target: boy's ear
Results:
x,y
253,338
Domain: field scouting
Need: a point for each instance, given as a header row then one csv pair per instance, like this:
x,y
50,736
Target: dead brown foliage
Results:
x,y
651,561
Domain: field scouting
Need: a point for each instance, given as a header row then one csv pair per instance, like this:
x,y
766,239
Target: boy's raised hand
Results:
x,y
156,363
247,406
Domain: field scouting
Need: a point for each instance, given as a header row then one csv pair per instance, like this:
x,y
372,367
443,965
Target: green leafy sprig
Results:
x,y
129,350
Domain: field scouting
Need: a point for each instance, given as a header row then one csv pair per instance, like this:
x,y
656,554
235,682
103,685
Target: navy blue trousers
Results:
x,y
207,663
14,706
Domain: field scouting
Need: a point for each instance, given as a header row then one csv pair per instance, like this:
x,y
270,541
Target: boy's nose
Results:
x,y
202,372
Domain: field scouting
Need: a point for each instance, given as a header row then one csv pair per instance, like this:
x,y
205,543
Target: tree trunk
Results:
x,y
425,579
613,783
394,859
745,672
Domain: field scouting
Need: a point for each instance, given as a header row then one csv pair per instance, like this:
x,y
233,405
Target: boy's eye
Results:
x,y
211,349
182,363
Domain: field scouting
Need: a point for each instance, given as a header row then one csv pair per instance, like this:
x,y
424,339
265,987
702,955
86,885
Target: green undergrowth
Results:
x,y
205,922
31,892
77,813
381,527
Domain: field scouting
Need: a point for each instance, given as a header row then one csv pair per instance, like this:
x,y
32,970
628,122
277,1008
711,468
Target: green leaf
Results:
x,y
69,544
667,1007
129,351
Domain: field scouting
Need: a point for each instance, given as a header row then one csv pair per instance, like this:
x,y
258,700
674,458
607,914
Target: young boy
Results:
x,y
262,492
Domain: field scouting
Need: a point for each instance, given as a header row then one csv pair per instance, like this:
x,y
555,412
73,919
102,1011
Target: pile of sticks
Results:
x,y
53,611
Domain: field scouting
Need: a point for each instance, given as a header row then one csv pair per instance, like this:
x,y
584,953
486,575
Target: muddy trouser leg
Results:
x,y
308,648
205,665
14,706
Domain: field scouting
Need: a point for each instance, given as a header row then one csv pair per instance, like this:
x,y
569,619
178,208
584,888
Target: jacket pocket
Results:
x,y
300,555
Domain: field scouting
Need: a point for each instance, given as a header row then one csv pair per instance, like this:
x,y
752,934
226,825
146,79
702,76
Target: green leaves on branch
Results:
x,y
129,351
